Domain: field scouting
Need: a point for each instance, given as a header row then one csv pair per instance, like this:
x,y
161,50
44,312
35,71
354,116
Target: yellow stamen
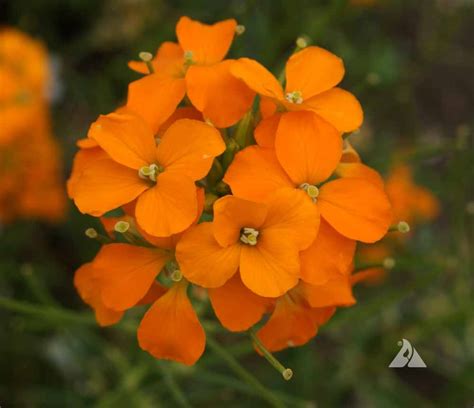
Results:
x,y
249,236
294,97
240,29
176,275
311,190
91,233
150,172
188,57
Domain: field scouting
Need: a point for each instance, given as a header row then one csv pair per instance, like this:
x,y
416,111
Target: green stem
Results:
x,y
240,371
173,386
287,373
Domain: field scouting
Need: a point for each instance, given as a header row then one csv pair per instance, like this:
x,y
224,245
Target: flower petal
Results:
x,y
209,44
337,291
236,307
189,146
125,137
313,70
292,218
356,208
270,268
202,260
339,107
265,132
255,174
126,273
329,253
105,185
360,170
155,98
168,207
220,96
291,324
171,330
257,77
231,214
89,290
307,147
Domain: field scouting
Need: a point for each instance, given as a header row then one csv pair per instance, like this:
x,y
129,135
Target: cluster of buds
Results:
x,y
30,165
218,182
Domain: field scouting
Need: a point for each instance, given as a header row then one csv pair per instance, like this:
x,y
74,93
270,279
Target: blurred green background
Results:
x,y
411,65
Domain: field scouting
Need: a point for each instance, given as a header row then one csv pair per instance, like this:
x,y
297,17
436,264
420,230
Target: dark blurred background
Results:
x,y
411,65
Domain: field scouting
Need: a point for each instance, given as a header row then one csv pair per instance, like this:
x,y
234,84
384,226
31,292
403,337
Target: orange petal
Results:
x,y
307,147
186,112
257,77
236,307
125,137
126,273
155,98
81,160
255,174
359,170
292,217
105,185
356,208
313,70
339,107
171,330
202,260
268,106
271,267
209,44
290,325
220,96
231,214
168,207
168,61
189,146
337,291
369,276
265,132
88,288
329,253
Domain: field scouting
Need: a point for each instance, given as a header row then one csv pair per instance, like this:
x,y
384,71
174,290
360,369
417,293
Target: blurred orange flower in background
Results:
x,y
30,160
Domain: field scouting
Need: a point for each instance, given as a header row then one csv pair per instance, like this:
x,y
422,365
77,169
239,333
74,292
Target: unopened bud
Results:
x,y
176,275
287,374
302,42
403,227
145,56
122,226
91,233
240,29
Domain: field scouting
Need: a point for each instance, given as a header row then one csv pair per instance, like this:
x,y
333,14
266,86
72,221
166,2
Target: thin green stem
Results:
x,y
240,371
287,373
173,386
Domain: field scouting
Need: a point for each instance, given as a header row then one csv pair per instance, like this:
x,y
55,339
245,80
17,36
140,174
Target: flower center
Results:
x,y
150,172
311,190
188,58
249,236
294,97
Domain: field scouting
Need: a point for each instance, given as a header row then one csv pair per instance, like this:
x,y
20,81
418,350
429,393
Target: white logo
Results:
x,y
407,356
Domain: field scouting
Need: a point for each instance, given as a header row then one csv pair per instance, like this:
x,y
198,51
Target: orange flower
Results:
x,y
124,275
194,66
262,240
160,173
304,157
411,202
311,78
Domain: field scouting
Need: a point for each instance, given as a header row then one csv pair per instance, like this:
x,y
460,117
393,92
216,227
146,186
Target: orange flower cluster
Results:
x,y
30,166
227,181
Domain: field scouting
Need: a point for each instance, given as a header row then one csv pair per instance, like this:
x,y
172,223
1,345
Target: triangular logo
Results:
x,y
407,356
